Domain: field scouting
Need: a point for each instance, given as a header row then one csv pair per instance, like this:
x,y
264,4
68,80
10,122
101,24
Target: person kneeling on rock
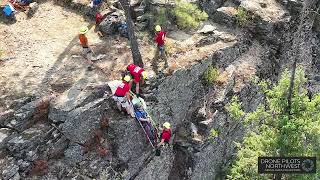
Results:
x,y
122,96
165,134
139,76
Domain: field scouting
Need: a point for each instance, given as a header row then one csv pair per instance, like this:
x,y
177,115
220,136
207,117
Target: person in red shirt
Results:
x,y
160,40
122,96
99,19
138,74
165,134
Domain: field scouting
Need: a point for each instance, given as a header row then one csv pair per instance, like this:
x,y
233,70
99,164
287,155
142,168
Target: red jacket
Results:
x,y
166,135
122,89
160,38
135,72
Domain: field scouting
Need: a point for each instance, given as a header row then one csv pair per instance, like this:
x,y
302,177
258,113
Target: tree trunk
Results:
x,y
132,38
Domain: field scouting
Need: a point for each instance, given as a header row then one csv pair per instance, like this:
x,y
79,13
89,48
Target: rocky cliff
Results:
x,y
81,135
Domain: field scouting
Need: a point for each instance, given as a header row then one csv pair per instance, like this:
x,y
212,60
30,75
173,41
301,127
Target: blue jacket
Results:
x,y
141,114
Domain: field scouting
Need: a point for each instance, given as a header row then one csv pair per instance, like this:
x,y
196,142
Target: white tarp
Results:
x,y
114,85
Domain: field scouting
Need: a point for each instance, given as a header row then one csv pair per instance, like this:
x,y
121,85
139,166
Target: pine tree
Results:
x,y
132,38
272,131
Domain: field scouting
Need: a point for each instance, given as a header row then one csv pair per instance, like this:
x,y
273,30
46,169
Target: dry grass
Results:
x,y
222,79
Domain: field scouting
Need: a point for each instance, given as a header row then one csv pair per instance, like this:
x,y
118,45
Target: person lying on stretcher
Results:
x,y
141,115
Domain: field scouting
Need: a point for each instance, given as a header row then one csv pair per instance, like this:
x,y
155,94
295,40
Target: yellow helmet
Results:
x,y
158,28
83,30
144,75
127,78
166,125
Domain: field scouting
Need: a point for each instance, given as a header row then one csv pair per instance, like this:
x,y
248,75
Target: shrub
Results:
x,y
213,133
234,108
210,75
188,15
242,17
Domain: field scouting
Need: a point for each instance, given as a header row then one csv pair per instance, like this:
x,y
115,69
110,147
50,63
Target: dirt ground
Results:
x,y
43,55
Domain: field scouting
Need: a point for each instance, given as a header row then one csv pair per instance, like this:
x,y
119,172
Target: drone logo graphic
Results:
x,y
307,165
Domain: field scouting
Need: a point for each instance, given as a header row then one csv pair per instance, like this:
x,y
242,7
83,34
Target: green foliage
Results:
x,y
214,133
234,108
161,18
210,75
278,133
156,17
188,15
242,17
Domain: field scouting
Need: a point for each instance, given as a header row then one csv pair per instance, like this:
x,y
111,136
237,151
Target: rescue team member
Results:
x,y
122,96
160,39
165,134
138,74
99,19
84,43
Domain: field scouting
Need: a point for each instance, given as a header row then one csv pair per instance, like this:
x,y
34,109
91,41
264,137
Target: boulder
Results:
x,y
78,95
264,16
208,40
111,22
225,16
81,122
208,28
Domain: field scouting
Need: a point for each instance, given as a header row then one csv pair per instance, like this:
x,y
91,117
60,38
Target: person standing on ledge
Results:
x,y
160,40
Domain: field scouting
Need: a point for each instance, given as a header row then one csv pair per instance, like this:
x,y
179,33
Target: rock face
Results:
x,y
75,97
70,141
11,172
210,6
225,15
111,22
82,121
316,24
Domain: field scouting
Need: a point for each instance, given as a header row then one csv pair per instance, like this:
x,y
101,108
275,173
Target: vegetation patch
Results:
x,y
210,75
234,108
188,15
275,130
242,17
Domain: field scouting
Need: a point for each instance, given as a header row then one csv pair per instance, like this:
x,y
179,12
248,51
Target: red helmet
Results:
x,y
130,67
